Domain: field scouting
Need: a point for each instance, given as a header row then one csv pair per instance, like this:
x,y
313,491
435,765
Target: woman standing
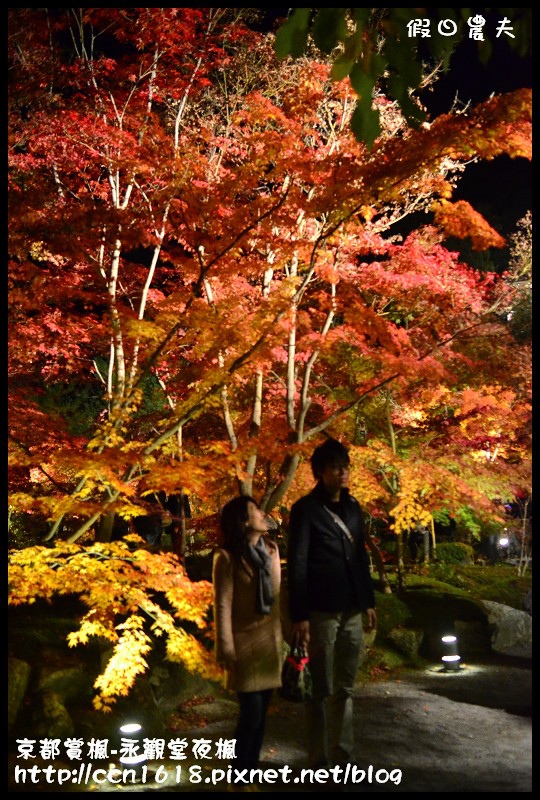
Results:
x,y
246,581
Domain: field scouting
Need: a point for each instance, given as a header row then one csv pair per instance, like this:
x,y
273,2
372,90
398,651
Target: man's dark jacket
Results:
x,y
325,572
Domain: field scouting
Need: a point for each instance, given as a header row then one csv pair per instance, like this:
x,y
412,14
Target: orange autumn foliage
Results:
x,y
462,221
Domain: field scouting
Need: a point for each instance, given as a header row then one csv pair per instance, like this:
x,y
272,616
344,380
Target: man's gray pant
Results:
x,y
335,645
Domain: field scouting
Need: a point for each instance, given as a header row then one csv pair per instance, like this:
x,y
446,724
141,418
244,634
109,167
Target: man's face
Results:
x,y
335,476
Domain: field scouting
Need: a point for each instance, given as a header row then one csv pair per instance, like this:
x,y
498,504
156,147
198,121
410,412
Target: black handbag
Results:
x,y
295,676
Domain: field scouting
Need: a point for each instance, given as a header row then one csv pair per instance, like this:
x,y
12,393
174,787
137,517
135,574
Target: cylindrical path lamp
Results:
x,y
451,658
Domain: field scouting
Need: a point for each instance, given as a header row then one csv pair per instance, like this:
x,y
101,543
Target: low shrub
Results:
x,y
392,612
454,553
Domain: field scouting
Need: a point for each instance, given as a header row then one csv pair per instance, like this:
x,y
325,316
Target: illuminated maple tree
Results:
x,y
201,234
395,46
206,271
120,583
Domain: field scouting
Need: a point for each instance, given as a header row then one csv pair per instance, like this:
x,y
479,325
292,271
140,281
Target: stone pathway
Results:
x,y
425,732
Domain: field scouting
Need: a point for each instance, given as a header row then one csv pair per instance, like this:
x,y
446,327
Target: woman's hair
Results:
x,y
233,524
329,452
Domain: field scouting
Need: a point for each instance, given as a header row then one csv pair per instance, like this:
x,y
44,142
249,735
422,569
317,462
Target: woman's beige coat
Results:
x,y
252,641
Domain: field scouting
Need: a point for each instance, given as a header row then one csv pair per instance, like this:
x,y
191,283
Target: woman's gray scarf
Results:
x,y
260,558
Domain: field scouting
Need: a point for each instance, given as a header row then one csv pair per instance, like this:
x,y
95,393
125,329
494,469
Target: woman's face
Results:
x,y
256,519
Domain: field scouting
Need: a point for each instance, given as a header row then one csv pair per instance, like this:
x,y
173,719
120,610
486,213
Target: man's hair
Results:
x,y
328,452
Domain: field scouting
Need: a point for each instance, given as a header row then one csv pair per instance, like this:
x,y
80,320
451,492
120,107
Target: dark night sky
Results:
x,y
500,189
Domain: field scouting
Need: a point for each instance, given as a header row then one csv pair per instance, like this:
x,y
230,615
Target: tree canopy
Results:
x,y
207,274
204,251
397,47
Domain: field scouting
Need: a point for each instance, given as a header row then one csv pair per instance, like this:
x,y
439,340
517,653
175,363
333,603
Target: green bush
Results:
x,y
389,546
448,574
454,553
392,612
498,582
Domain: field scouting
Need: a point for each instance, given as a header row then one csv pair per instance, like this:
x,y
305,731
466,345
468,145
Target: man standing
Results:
x,y
329,586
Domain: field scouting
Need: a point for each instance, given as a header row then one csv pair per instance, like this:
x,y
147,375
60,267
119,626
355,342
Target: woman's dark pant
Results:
x,y
249,731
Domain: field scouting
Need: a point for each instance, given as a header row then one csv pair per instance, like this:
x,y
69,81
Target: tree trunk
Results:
x,y
178,533
104,528
433,540
524,557
379,563
400,563
426,538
